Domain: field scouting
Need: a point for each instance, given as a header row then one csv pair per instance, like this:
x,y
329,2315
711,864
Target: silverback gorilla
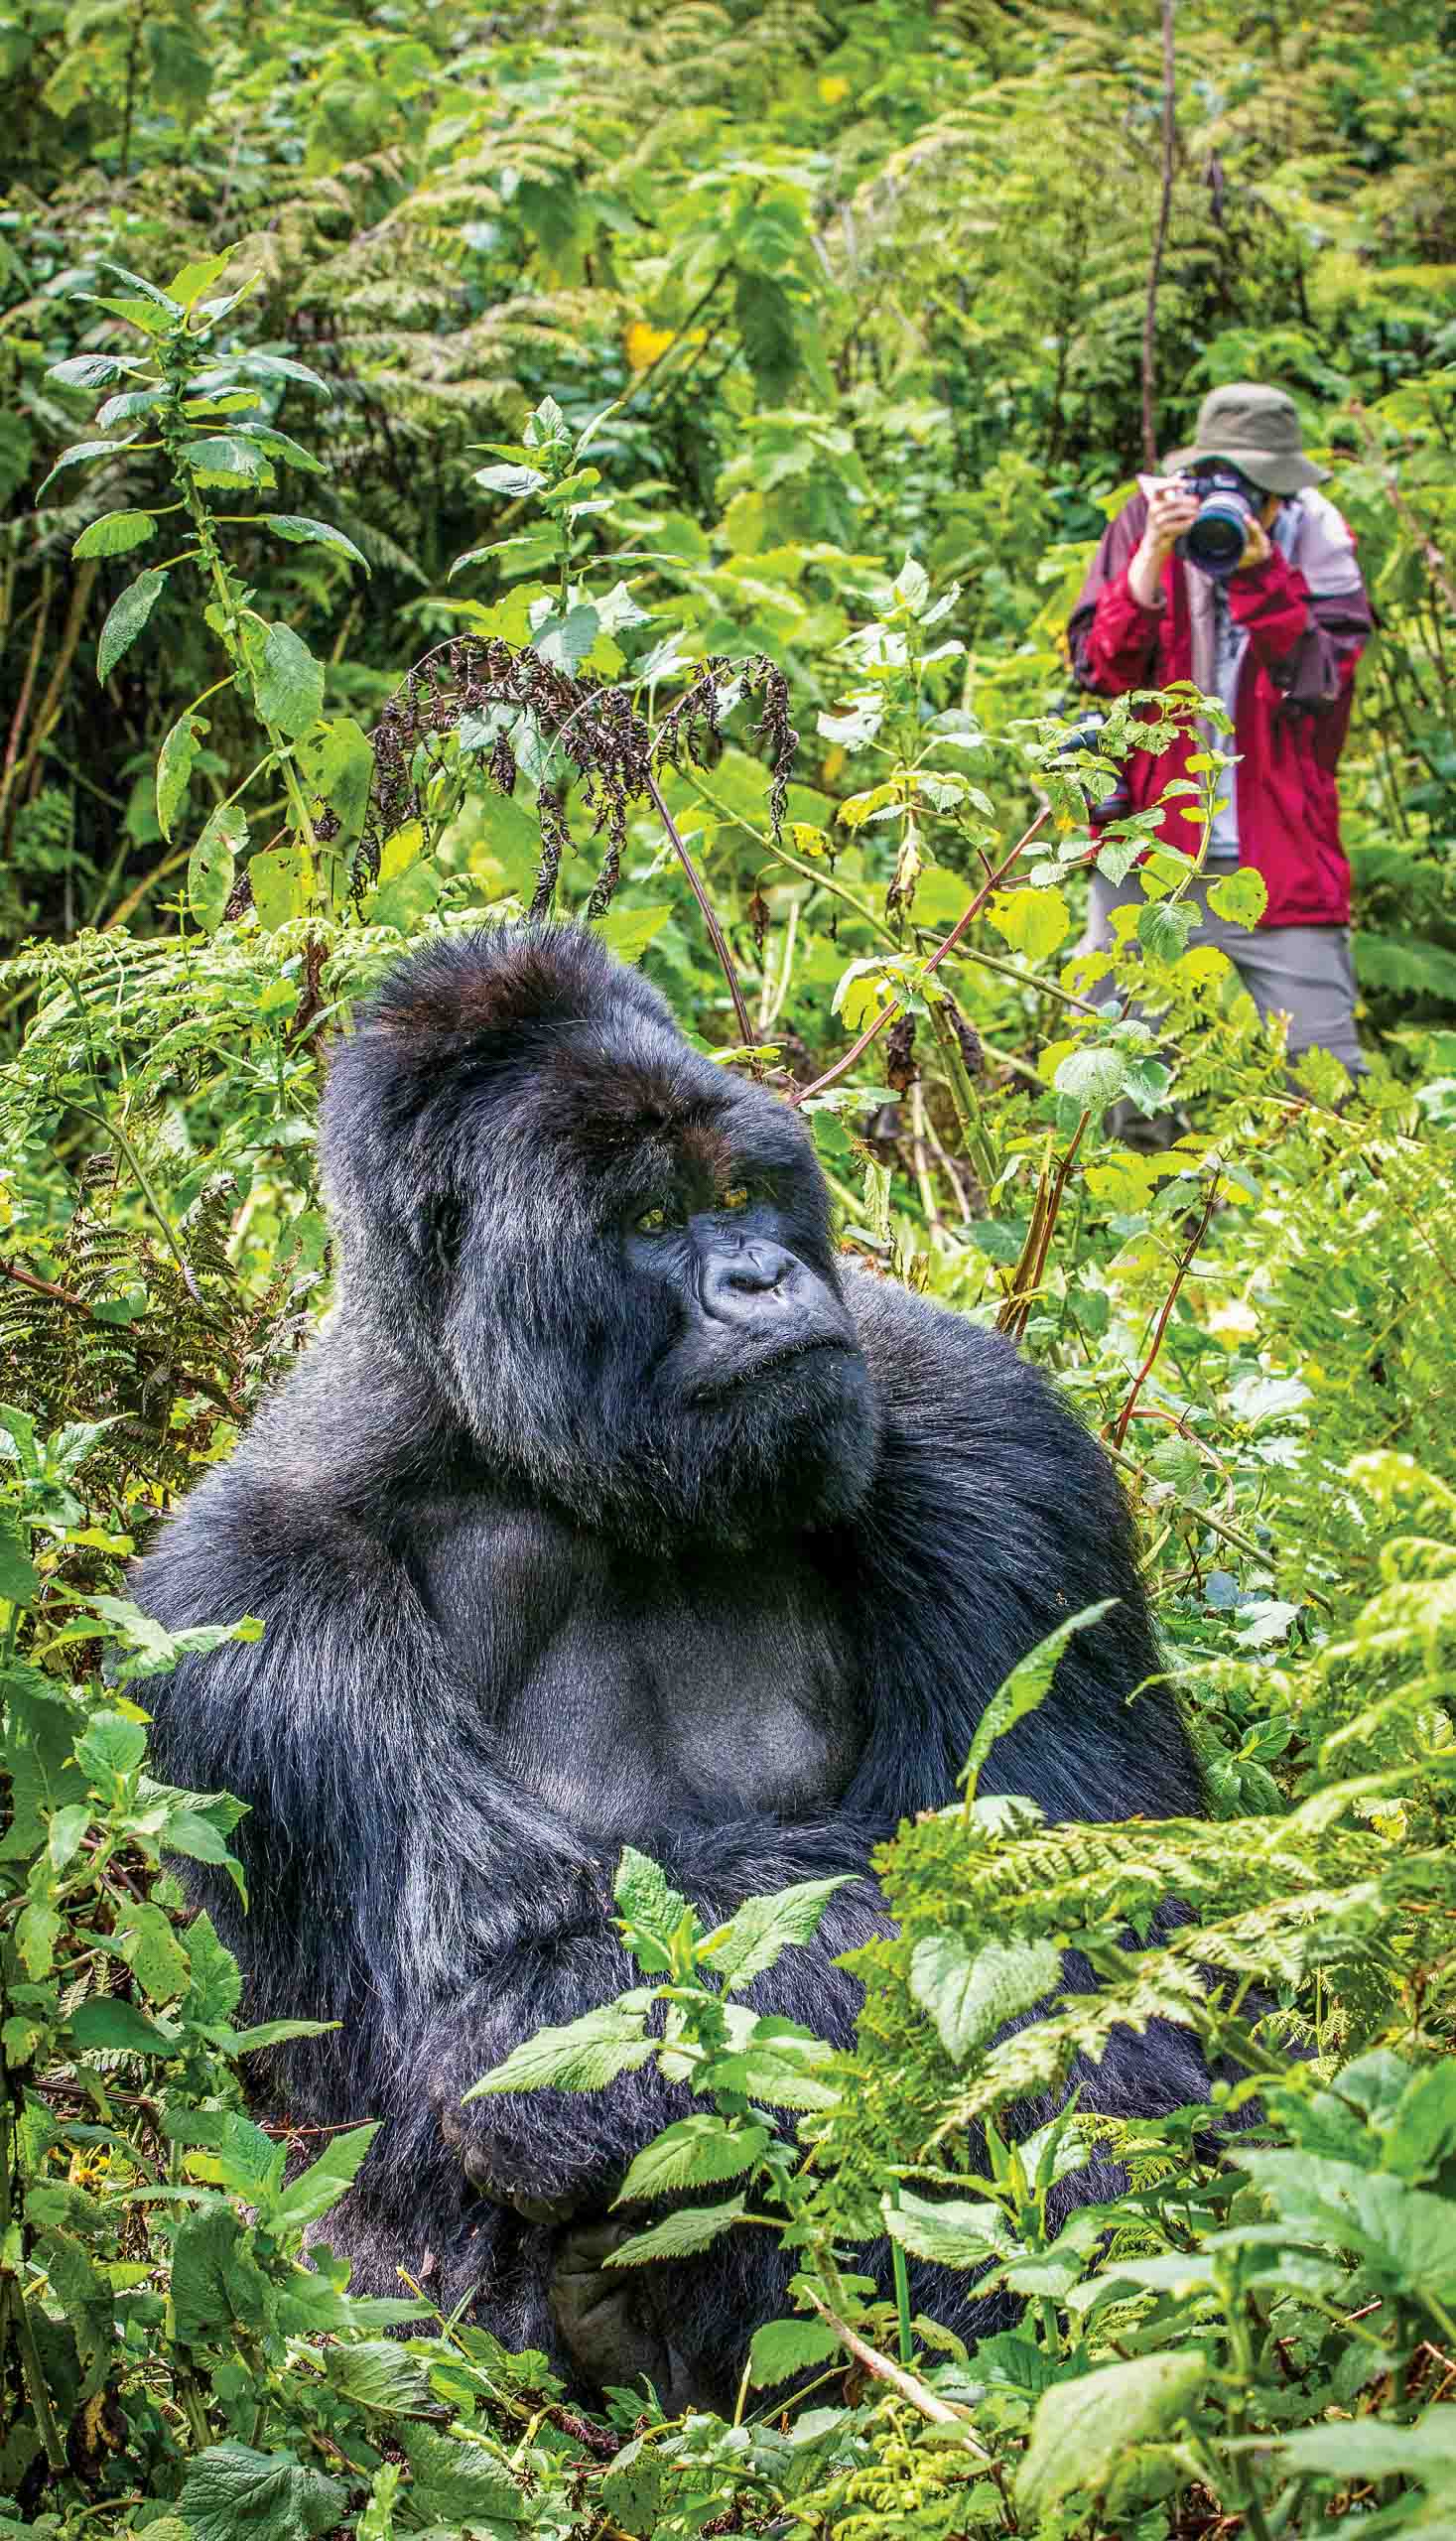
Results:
x,y
610,1507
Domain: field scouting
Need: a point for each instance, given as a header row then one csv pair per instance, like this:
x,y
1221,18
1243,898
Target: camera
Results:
x,y
1226,503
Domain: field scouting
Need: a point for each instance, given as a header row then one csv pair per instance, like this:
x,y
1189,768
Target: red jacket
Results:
x,y
1291,709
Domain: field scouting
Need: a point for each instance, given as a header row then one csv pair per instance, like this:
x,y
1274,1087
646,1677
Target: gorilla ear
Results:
x,y
463,992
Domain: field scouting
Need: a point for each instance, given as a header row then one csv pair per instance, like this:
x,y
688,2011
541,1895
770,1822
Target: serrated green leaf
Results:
x,y
211,867
764,1927
280,877
782,2349
1239,897
302,532
228,458
1029,1684
175,762
288,682
321,2185
971,1994
106,2025
1082,2431
91,370
951,2232
20,1582
687,2229
77,455
230,2490
581,2055
696,2152
126,618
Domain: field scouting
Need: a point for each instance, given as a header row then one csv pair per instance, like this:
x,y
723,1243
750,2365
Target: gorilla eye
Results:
x,y
652,1222
738,1199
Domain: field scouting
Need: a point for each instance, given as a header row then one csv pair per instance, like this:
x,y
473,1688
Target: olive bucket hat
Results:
x,y
1257,429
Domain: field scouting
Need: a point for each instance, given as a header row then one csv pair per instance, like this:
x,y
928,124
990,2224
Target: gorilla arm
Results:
x,y
403,1886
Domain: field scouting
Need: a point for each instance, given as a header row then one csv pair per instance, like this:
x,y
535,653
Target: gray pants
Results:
x,y
1305,972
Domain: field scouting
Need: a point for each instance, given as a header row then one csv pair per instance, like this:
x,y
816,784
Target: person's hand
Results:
x,y
1172,506
1256,548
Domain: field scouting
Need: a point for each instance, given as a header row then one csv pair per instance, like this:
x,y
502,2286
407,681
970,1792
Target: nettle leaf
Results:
x,y
688,2228
971,1994
462,2484
323,2185
912,586
337,767
288,682
20,1582
510,480
1033,922
1239,897
695,2153
765,1926
1029,1684
1092,1078
782,2349
228,458
126,618
377,2373
1082,2431
302,532
106,2025
566,641
280,879
1164,928
230,2490
652,1910
951,2232
175,762
77,455
581,2055
93,370
211,867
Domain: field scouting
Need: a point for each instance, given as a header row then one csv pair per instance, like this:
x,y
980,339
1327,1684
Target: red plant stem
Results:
x,y
841,1066
1185,1264
710,915
1024,1288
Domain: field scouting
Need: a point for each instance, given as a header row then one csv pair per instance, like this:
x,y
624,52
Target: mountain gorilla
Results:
x,y
611,1505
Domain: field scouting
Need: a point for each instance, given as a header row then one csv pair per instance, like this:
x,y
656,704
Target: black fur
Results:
x,y
569,1532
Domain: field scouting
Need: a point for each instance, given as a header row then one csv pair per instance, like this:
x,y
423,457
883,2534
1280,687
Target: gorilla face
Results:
x,y
611,1257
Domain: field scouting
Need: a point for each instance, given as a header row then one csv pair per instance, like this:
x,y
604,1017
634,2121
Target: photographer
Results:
x,y
1232,571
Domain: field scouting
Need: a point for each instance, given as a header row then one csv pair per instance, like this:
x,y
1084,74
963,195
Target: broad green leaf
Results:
x,y
304,532
91,370
1093,1078
1033,922
321,2185
152,1951
1373,2449
20,1582
36,1931
695,2153
1082,2431
950,2230
1164,926
686,2229
115,534
230,2490
461,2487
288,682
581,2055
566,641
104,2024
765,1926
377,2373
211,867
228,458
971,1994
77,455
782,2349
1239,897
126,618
1027,1686
912,586
112,1747
281,879
629,932
175,762
510,480
337,767
189,284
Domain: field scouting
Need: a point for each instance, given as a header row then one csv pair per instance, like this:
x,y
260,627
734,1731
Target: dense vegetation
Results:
x,y
448,461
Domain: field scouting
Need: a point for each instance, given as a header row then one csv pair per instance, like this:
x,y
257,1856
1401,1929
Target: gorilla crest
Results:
x,y
610,1507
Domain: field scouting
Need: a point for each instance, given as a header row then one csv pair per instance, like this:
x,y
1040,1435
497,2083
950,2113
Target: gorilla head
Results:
x,y
612,1256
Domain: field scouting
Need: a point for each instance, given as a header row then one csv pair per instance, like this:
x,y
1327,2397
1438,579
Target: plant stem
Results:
x,y
710,915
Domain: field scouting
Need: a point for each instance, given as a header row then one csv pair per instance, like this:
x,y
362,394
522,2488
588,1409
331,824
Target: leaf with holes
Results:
x,y
175,761
302,532
211,867
126,618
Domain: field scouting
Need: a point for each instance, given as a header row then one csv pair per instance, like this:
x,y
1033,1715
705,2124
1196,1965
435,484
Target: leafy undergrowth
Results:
x,y
1259,2329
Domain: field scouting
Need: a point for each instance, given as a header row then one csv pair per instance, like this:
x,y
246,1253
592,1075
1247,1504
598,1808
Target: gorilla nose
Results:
x,y
735,1285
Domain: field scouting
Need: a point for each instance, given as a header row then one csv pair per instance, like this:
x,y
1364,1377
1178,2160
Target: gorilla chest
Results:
x,y
628,1694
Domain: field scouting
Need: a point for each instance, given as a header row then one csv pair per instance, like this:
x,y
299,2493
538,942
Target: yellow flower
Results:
x,y
644,343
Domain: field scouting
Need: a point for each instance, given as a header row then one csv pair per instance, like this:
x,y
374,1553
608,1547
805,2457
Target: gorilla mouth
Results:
x,y
767,1360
